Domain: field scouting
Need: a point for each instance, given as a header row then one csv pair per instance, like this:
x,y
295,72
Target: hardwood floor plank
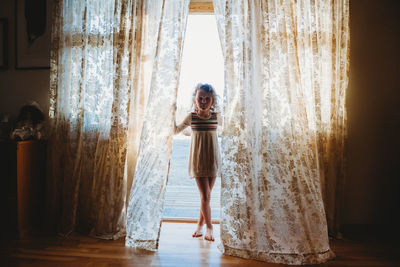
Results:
x,y
176,248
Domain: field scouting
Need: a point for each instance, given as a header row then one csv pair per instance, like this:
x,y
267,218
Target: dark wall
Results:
x,y
372,186
20,87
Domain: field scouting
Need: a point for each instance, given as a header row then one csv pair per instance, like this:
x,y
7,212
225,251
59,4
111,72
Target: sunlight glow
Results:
x,y
201,61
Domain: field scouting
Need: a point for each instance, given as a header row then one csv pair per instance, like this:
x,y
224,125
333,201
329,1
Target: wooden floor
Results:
x,y
177,248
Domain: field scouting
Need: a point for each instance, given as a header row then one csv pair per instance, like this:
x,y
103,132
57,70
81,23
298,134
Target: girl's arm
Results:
x,y
186,122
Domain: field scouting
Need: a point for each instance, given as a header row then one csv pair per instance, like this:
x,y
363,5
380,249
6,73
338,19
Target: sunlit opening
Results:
x,y
201,62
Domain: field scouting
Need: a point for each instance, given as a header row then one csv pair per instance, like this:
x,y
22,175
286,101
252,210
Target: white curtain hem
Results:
x,y
281,258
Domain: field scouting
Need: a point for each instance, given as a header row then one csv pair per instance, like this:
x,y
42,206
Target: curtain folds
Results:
x,y
146,199
95,58
114,78
286,65
113,82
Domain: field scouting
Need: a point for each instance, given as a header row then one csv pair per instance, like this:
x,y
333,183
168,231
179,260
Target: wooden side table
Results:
x,y
24,168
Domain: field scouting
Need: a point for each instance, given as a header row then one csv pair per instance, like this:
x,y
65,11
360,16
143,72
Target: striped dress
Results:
x,y
204,155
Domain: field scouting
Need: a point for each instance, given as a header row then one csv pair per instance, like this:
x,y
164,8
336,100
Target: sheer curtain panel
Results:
x,y
286,65
95,61
146,199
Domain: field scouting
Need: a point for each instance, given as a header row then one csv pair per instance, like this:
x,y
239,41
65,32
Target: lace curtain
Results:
x,y
286,65
95,61
146,199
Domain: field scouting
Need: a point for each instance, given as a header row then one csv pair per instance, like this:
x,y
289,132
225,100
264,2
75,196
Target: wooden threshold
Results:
x,y
201,7
186,220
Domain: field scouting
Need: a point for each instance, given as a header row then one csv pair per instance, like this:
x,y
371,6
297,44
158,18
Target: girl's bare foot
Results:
x,y
198,232
209,234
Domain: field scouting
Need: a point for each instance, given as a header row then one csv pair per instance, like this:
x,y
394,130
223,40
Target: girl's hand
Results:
x,y
187,132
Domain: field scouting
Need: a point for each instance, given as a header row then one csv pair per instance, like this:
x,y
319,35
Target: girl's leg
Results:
x,y
199,231
211,182
200,223
204,185
209,231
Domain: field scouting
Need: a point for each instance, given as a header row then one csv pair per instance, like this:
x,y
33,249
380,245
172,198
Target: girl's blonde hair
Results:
x,y
209,89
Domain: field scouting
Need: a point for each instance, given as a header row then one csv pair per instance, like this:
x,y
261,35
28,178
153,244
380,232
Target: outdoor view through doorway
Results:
x,y
202,61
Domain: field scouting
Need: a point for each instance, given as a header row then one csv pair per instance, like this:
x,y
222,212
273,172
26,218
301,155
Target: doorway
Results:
x,y
202,61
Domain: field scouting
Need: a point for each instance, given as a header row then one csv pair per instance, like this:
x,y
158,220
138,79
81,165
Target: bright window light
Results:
x,y
201,62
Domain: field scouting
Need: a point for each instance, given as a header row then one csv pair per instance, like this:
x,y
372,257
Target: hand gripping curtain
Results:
x,y
146,199
95,58
284,125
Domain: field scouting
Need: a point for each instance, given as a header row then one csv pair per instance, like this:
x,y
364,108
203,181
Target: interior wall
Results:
x,y
373,112
20,87
373,161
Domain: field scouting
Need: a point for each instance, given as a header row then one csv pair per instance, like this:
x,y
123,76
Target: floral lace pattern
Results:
x,y
286,65
95,61
114,78
148,189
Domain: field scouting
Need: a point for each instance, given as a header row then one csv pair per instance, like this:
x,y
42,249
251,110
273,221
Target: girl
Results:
x,y
204,156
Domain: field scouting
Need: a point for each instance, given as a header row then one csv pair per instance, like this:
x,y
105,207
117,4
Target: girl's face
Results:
x,y
203,100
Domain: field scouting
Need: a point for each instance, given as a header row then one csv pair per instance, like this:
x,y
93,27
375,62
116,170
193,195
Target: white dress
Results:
x,y
204,155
